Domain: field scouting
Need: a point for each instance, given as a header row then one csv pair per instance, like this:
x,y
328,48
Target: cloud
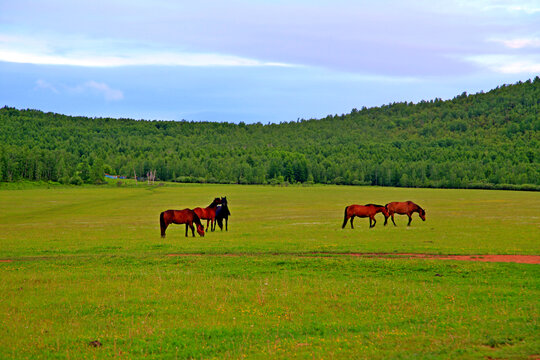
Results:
x,y
508,64
100,88
42,84
520,43
529,7
107,53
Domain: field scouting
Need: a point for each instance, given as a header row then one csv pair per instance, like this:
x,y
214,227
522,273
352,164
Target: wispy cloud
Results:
x,y
508,64
519,43
91,87
84,52
529,7
101,89
42,84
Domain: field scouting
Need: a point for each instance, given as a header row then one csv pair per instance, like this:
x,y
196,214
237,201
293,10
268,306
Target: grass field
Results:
x,y
88,264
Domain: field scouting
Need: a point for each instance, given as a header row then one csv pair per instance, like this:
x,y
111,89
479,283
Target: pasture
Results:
x,y
85,264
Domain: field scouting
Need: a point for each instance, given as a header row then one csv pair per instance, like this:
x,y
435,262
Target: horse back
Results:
x,y
199,211
206,213
184,216
401,207
359,210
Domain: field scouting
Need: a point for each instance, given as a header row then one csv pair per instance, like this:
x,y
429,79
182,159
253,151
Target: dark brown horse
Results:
x,y
186,216
208,213
404,208
222,213
368,210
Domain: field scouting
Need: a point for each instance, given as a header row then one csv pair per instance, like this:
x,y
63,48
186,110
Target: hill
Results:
x,y
485,140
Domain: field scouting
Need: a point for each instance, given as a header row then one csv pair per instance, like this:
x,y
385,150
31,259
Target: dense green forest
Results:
x,y
485,140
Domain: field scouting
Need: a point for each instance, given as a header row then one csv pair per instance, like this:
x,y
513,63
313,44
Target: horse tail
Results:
x,y
162,224
345,218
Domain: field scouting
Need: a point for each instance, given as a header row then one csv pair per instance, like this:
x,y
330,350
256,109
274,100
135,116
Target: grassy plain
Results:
x,y
89,264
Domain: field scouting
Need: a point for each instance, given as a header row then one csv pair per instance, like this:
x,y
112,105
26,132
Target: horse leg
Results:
x,y
374,222
220,224
393,220
207,223
192,229
352,218
410,219
226,224
186,229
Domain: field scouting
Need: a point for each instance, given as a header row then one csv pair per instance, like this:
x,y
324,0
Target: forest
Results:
x,y
484,140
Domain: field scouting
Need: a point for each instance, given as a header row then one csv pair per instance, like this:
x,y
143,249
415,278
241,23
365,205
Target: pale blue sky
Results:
x,y
267,61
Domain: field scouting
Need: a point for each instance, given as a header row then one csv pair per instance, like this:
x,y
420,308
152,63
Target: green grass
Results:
x,y
89,264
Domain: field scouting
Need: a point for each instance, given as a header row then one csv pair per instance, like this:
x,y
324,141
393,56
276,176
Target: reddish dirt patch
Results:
x,y
522,259
5,260
202,254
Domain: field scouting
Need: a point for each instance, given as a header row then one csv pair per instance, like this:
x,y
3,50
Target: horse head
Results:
x,y
422,213
215,202
200,229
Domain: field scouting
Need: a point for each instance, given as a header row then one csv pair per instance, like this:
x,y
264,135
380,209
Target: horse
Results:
x,y
404,208
208,213
368,210
186,216
223,212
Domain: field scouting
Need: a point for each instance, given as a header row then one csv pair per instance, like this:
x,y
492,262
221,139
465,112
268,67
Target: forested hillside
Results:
x,y
488,140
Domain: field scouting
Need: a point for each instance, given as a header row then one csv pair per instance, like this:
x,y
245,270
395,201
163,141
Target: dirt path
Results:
x,y
522,259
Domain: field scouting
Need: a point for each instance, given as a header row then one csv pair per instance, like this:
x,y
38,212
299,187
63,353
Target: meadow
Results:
x,y
85,264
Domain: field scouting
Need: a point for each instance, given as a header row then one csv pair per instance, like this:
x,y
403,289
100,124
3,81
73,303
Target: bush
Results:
x,y
76,180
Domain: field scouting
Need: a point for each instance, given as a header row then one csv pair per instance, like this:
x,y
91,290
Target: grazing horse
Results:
x,y
208,213
368,210
223,212
404,208
186,216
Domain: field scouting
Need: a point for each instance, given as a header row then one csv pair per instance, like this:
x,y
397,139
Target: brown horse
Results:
x,y
209,213
186,216
404,208
362,211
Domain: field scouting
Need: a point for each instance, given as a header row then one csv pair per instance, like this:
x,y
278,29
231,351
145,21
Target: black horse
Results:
x,y
222,212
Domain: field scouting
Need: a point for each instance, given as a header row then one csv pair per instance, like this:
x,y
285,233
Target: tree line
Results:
x,y
484,140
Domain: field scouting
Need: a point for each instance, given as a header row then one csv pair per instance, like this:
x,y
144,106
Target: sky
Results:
x,y
257,60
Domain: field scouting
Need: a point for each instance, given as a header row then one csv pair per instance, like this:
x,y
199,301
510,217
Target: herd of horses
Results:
x,y
218,211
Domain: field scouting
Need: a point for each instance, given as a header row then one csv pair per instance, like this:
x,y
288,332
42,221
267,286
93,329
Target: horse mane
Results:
x,y
214,202
417,207
374,205
196,218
